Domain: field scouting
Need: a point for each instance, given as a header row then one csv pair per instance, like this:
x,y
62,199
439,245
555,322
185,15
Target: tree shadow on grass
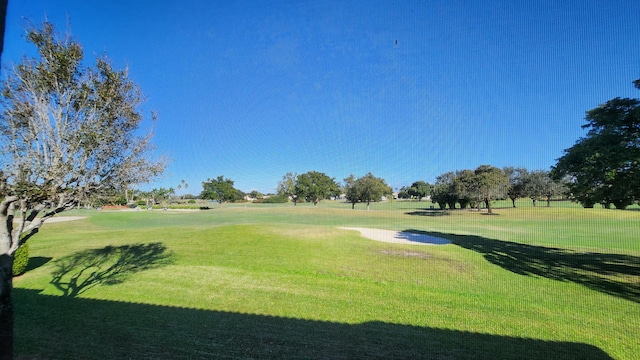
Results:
x,y
422,237
79,272
613,274
36,261
54,327
429,212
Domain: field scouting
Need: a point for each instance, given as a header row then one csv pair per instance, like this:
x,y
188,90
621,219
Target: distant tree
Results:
x,y
553,188
161,195
315,186
538,184
532,184
462,189
404,193
444,191
220,190
146,196
604,166
67,132
106,197
183,185
350,191
489,183
419,189
516,178
254,194
370,188
287,187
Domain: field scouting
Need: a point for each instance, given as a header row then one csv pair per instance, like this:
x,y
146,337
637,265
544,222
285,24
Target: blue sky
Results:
x,y
406,90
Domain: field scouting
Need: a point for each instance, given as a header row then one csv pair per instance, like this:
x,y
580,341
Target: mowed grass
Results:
x,y
265,281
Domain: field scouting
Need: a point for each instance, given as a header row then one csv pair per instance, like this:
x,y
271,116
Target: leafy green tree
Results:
x,y
287,187
254,194
419,189
533,185
604,166
370,188
488,183
315,186
68,132
516,176
404,193
220,190
461,191
539,184
161,195
444,191
350,191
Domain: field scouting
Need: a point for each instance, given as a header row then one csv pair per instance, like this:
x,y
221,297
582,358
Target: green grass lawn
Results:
x,y
274,281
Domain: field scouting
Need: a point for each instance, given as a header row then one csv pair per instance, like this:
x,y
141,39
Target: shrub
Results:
x,y
21,260
191,201
275,199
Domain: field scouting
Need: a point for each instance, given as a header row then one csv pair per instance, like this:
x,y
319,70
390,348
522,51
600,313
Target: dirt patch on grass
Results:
x,y
411,254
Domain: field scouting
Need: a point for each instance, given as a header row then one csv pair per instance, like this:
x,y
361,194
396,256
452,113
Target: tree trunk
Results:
x,y
6,307
513,201
353,206
368,205
488,203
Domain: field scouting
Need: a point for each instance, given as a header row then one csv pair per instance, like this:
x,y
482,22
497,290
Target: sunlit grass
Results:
x,y
295,263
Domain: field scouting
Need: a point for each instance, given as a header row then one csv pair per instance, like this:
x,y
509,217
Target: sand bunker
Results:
x,y
399,237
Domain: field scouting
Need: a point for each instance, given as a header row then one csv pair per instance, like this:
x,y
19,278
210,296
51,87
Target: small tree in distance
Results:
x,y
220,190
419,189
315,186
371,188
287,187
350,191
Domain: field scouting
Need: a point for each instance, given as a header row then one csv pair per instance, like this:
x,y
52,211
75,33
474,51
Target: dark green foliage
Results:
x,y
419,189
372,188
221,190
275,199
604,166
21,260
315,186
365,189
469,187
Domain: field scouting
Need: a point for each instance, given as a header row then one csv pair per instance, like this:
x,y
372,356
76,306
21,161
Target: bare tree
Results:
x,y
67,132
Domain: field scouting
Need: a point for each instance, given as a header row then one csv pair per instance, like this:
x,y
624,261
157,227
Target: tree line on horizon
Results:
x,y
459,189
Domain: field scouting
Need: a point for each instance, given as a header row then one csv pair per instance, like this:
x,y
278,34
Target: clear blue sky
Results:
x,y
406,90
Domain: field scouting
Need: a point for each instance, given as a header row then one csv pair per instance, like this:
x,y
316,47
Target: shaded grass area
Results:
x,y
286,283
613,274
164,332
